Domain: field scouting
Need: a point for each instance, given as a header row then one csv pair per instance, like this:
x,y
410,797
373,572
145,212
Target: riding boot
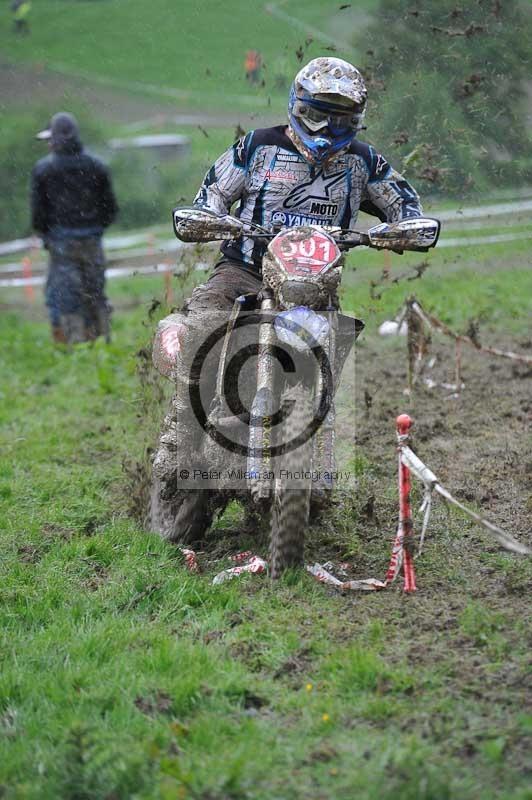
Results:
x,y
177,451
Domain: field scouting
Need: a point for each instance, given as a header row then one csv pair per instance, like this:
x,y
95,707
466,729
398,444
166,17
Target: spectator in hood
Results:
x,y
72,202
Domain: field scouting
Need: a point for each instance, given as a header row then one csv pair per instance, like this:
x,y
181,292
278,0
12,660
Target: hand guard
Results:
x,y
414,233
197,224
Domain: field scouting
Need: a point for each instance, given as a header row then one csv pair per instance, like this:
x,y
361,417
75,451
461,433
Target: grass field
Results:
x,y
180,47
124,676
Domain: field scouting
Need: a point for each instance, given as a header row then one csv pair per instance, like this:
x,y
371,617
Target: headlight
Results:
x,y
301,328
298,293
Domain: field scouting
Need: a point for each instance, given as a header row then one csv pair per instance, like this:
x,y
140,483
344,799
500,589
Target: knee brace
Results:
x,y
168,344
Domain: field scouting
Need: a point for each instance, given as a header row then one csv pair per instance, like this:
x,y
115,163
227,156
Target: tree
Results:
x,y
447,81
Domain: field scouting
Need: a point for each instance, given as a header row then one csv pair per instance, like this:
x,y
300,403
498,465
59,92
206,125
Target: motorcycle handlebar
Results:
x,y
202,224
345,241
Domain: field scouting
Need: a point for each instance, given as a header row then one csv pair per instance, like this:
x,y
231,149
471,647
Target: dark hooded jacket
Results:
x,y
71,193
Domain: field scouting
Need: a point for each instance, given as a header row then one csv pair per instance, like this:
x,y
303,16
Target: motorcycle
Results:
x,y
298,341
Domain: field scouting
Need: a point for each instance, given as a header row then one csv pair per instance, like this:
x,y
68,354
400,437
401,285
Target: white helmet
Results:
x,y
326,107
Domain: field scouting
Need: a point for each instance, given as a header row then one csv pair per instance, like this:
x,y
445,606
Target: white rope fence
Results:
x,y
417,318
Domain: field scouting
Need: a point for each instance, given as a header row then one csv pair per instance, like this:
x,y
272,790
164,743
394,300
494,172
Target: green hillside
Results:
x,y
117,61
192,50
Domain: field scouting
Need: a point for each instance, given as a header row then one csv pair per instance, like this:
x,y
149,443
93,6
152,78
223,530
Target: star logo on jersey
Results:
x,y
319,188
240,148
381,167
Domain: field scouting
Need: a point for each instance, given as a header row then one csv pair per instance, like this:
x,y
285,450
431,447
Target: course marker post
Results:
x,y
405,532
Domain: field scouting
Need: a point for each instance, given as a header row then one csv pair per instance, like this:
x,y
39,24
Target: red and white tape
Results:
x,y
255,565
191,559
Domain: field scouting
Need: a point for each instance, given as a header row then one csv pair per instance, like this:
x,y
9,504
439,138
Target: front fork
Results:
x,y
323,460
259,464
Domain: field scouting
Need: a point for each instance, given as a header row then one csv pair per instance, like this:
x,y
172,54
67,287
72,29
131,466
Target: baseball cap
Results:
x,y
62,126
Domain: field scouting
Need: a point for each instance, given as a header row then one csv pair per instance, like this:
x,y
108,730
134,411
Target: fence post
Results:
x,y
404,423
27,273
415,343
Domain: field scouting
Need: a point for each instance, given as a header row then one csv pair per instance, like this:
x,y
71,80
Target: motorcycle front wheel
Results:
x,y
291,500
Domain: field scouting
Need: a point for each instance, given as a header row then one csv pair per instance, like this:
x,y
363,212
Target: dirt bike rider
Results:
x,y
313,171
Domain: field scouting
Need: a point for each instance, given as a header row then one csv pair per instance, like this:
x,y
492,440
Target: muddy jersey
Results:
x,y
274,184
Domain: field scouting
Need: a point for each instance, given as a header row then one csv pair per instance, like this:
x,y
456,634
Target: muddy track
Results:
x,y
479,447
478,443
